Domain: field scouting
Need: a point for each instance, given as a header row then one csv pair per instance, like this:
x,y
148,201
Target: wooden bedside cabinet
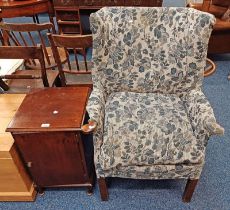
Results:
x,y
15,184
47,132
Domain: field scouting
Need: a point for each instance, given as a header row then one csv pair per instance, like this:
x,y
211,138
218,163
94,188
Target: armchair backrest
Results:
x,y
149,49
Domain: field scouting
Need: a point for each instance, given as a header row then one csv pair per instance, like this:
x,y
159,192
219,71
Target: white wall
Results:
x,y
179,3
174,3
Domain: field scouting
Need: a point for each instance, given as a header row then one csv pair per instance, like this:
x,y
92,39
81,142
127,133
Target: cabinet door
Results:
x,y
53,158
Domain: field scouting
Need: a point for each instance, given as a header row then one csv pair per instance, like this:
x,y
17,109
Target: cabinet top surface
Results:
x,y
51,109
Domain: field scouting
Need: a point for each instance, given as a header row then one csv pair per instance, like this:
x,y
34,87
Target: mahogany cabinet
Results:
x,y
47,133
97,4
101,3
68,20
69,12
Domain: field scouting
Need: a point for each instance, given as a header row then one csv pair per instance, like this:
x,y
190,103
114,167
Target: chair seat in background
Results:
x,y
25,85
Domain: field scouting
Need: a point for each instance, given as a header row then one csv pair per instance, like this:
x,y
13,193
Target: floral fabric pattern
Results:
x,y
178,171
147,73
150,49
201,115
147,129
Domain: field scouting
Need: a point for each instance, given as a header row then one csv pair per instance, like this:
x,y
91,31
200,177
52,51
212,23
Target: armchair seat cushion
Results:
x,y
142,129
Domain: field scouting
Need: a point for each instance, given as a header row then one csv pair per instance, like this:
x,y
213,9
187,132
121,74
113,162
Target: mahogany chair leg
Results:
x,y
189,189
103,189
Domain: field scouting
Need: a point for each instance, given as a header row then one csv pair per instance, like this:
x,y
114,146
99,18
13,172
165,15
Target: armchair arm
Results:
x,y
201,114
96,106
213,127
89,128
96,111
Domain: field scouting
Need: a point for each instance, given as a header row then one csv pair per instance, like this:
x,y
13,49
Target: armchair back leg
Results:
x,y
189,189
103,189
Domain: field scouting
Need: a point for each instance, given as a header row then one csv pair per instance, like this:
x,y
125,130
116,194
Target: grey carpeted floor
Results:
x,y
212,192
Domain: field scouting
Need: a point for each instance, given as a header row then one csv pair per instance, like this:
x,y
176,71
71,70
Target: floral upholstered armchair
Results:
x,y
152,119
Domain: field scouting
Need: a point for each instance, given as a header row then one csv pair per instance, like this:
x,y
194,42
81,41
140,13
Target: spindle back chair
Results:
x,y
74,46
31,34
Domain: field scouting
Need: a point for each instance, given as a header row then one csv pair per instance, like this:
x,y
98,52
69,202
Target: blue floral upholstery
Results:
x,y
153,121
146,129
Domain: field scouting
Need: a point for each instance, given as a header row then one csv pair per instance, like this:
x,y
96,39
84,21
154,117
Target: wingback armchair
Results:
x,y
152,119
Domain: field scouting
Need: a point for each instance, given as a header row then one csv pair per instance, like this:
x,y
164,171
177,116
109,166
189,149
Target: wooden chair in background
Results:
x,y
219,40
21,81
31,34
73,45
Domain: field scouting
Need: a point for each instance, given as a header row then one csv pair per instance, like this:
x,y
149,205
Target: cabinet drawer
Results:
x,y
67,15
